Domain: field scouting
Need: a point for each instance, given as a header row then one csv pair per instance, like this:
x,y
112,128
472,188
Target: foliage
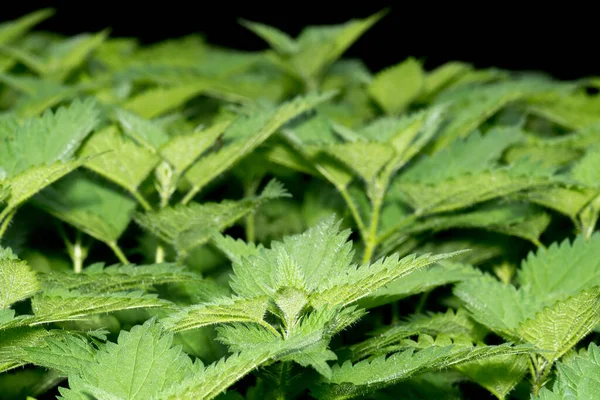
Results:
x,y
183,221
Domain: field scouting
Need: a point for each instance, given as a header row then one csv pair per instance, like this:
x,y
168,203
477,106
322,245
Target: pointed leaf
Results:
x,y
396,87
17,280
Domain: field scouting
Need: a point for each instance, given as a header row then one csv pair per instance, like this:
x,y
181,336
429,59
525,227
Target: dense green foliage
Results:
x,y
182,221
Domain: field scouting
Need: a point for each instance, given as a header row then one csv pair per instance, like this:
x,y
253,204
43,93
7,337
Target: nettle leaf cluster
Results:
x,y
184,221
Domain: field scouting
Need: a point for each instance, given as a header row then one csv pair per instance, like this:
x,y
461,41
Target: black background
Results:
x,y
560,40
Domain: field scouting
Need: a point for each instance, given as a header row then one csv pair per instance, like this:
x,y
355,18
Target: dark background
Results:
x,y
560,40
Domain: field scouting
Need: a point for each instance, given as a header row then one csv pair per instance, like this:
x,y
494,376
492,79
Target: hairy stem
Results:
x,y
540,375
115,248
354,211
6,222
283,380
371,239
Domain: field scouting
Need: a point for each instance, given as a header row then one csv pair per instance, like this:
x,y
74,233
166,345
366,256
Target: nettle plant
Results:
x,y
184,221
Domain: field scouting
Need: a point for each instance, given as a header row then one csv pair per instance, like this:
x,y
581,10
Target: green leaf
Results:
x,y
521,220
147,363
38,95
66,353
573,111
356,283
499,306
317,47
567,200
386,340
28,183
118,158
50,138
396,87
278,40
69,54
558,328
420,281
468,190
218,376
350,381
225,310
189,226
147,133
577,378
157,101
441,77
365,159
181,151
256,129
13,342
11,30
562,270
62,305
89,205
321,253
586,168
471,108
477,153
17,280
98,279
498,374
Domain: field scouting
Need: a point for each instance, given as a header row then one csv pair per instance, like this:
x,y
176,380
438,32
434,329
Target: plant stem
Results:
x,y
115,248
406,221
6,222
160,254
353,210
371,239
144,203
395,313
376,193
540,376
331,179
190,195
283,379
250,190
78,255
422,302
270,328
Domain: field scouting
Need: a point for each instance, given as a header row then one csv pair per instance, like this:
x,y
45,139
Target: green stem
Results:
x,y
354,211
422,301
250,230
406,221
78,254
283,380
327,175
371,239
310,84
115,248
190,195
160,254
144,203
270,328
250,190
395,313
540,376
6,222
